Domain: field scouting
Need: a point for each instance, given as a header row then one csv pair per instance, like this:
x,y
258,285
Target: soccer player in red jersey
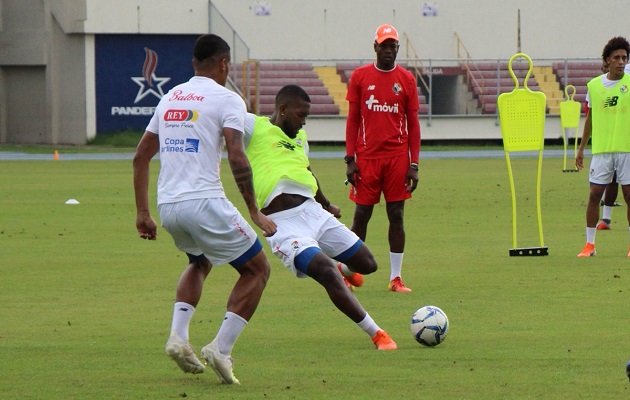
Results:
x,y
383,144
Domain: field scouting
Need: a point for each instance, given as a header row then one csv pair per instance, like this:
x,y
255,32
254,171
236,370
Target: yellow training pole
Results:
x,y
522,120
569,119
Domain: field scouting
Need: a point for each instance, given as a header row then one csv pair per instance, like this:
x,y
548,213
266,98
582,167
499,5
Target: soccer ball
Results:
x,y
429,326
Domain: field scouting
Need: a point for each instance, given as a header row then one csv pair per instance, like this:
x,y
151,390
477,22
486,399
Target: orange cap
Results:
x,y
385,32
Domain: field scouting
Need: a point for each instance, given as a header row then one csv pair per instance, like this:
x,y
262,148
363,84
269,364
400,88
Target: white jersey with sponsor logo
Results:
x,y
189,121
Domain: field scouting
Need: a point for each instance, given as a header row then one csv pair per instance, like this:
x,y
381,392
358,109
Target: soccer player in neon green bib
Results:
x,y
308,235
608,126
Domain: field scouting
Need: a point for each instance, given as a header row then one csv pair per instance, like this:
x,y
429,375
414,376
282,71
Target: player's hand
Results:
x,y
334,210
579,159
352,173
262,221
412,180
146,226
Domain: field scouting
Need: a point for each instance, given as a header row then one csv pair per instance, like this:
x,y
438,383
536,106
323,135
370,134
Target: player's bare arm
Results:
x,y
352,131
147,148
586,136
242,172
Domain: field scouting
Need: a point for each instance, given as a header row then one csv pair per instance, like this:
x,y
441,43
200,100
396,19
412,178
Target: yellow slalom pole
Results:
x,y
522,119
569,119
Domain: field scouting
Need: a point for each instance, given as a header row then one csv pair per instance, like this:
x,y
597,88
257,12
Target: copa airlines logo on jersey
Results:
x,y
374,105
132,74
177,145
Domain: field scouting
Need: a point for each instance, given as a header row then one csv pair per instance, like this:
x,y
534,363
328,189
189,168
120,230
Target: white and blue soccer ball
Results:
x,y
429,326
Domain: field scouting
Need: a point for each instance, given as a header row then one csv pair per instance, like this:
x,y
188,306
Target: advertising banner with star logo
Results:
x,y
133,72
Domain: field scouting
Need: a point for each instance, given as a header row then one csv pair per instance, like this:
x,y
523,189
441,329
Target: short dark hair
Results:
x,y
291,92
210,45
616,43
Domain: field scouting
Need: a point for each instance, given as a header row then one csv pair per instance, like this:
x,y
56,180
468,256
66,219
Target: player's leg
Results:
x,y
340,243
396,233
226,237
188,292
241,305
187,297
249,287
592,215
365,194
362,215
396,237
395,193
190,284
602,169
362,261
321,268
609,201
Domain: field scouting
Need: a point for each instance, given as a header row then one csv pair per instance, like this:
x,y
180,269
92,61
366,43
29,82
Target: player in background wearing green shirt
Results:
x,y
608,126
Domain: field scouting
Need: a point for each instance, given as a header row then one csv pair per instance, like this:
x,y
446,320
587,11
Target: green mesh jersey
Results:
x,y
274,157
610,116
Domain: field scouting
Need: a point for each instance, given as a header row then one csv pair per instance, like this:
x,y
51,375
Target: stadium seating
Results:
x,y
488,80
577,73
271,77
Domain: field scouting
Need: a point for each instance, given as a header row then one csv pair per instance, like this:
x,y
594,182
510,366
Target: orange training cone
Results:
x,y
56,156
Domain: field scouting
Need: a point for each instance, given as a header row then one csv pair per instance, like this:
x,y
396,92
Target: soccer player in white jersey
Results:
x,y
189,127
309,236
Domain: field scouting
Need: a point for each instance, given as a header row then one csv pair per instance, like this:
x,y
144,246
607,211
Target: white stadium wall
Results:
x,y
47,47
338,29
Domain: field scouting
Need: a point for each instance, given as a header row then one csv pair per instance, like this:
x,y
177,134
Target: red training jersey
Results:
x,y
384,99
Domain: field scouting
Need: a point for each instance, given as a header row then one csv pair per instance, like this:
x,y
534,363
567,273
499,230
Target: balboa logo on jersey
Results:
x,y
188,145
374,105
150,84
179,95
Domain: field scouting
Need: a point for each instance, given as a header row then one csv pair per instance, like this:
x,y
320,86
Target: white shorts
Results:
x,y
306,226
212,227
604,165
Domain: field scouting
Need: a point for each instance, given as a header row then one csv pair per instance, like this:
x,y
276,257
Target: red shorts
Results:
x,y
381,175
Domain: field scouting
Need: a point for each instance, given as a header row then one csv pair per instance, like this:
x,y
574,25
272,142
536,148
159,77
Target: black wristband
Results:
x,y
348,159
414,166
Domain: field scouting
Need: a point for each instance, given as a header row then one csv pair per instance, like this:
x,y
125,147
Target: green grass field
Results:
x,y
86,305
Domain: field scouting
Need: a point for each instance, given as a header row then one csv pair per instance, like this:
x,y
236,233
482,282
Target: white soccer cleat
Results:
x,y
221,364
183,354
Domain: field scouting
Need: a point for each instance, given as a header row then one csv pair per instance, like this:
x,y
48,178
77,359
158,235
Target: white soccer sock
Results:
x,y
182,313
368,325
607,213
231,328
590,235
395,261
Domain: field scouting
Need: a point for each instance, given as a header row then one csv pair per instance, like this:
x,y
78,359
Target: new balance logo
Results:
x,y
371,87
611,101
286,145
